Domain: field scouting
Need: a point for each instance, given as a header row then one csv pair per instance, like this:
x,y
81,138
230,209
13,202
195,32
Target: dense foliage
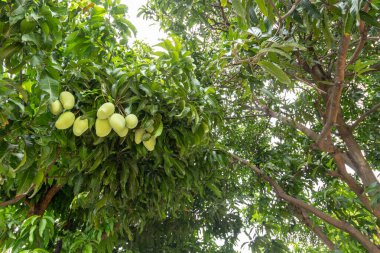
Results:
x,y
265,112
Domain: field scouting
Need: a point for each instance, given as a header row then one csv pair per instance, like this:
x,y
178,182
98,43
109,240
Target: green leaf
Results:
x,y
238,7
275,71
214,189
223,3
262,7
369,19
49,85
42,227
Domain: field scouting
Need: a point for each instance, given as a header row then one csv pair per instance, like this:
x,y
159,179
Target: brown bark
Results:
x,y
17,198
354,186
362,167
342,225
333,103
42,205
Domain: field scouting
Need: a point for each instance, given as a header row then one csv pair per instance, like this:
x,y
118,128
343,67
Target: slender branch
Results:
x,y
246,116
364,116
342,225
308,132
304,216
363,38
292,9
333,103
17,198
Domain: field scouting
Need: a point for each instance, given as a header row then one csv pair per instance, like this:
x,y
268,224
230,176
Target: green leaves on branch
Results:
x,y
274,70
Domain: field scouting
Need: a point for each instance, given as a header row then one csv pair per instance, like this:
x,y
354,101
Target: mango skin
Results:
x,y
105,110
150,144
55,107
138,135
117,122
80,126
150,129
123,132
65,120
131,121
67,99
102,127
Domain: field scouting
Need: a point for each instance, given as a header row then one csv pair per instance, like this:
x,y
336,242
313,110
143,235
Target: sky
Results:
x,y
147,30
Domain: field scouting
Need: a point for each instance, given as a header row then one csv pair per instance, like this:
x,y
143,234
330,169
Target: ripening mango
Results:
x,y
105,110
131,121
56,107
65,120
150,144
80,126
123,132
150,129
117,122
67,99
139,135
102,127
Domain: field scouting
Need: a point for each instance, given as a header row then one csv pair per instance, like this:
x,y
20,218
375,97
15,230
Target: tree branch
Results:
x,y
42,205
293,8
308,132
342,225
363,38
333,103
316,229
353,185
364,116
17,198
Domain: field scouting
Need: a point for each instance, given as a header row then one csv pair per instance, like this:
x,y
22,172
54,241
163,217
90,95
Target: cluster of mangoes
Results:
x,y
106,120
67,119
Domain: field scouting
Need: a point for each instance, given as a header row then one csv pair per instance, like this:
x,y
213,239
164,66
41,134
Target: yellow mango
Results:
x,y
105,111
131,121
102,127
138,135
123,132
67,99
150,144
65,120
56,107
80,126
117,122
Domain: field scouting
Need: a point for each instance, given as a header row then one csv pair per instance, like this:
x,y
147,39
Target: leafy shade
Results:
x,y
62,192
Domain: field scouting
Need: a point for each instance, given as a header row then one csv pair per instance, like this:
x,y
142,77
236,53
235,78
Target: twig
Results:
x,y
293,8
17,198
364,116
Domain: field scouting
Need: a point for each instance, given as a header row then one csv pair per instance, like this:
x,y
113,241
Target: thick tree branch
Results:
x,y
342,225
364,116
353,185
333,103
43,204
17,198
354,152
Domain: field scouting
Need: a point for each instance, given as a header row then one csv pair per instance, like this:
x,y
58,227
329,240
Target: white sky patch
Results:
x,y
148,31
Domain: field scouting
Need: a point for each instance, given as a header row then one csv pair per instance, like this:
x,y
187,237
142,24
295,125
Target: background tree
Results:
x,y
300,85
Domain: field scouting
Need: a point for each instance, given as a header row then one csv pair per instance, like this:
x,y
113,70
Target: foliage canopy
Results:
x,y
265,112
